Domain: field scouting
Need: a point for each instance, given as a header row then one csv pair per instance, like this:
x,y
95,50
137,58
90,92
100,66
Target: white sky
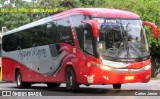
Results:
x,y
27,0
8,1
22,0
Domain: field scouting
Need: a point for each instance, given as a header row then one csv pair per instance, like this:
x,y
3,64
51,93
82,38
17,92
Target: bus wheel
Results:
x,y
19,80
71,82
117,86
20,83
53,85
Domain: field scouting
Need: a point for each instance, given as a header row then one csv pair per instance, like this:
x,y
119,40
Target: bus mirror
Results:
x,y
154,28
94,25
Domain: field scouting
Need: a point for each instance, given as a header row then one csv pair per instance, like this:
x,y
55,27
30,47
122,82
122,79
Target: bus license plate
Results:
x,y
129,77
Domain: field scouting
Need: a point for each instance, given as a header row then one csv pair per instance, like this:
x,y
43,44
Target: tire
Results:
x,y
157,73
19,81
53,85
71,82
117,86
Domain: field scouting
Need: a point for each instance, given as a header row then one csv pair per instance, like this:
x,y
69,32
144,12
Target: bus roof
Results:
x,y
95,12
102,12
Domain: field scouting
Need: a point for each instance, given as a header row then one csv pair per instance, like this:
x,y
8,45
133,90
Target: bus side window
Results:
x,y
78,27
53,31
4,45
16,41
88,46
64,32
8,43
46,37
50,31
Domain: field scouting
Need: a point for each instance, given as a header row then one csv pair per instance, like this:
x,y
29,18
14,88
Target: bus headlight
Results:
x,y
106,68
114,64
147,67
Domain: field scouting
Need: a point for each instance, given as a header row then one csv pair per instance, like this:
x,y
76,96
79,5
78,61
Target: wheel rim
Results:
x,y
71,83
19,80
158,75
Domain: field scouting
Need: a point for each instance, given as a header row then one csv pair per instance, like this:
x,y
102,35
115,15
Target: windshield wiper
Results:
x,y
138,54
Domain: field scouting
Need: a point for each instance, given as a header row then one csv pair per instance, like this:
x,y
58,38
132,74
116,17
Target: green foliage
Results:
x,y
148,10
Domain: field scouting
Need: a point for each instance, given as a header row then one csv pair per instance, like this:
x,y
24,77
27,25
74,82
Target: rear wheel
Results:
x,y
117,86
20,83
53,85
71,82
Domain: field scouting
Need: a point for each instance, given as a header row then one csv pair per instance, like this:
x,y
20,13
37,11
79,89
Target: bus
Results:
x,y
89,46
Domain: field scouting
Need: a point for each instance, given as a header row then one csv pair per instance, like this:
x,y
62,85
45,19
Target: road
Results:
x,y
131,89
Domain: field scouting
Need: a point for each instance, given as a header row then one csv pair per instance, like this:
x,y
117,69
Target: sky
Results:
x,y
6,2
22,0
27,0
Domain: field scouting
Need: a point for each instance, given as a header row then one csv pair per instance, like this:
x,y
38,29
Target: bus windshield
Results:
x,y
122,39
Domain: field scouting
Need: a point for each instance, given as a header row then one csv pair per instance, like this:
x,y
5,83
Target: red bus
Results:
x,y
79,46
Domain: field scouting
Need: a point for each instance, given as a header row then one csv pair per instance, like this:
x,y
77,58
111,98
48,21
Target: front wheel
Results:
x,y
71,82
157,73
117,86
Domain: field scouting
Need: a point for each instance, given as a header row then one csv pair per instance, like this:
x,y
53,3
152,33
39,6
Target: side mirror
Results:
x,y
153,26
94,25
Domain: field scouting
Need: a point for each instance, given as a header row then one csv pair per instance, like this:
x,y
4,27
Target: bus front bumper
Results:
x,y
116,76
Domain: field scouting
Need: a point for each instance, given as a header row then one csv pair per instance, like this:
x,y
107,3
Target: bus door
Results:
x,y
88,53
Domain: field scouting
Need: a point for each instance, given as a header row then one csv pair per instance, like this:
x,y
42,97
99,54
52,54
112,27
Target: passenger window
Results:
x,y
88,45
78,26
64,32
8,43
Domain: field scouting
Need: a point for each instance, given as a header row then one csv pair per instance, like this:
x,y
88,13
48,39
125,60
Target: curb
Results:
x,y
155,78
6,82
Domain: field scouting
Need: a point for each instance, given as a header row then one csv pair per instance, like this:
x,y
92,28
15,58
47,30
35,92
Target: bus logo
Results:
x,y
129,70
6,93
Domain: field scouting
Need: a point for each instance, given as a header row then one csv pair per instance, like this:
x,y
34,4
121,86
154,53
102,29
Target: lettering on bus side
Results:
x,y
34,51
